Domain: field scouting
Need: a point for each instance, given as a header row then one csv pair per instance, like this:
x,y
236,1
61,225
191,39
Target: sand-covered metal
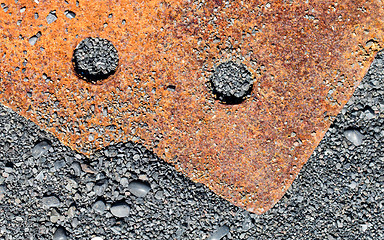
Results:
x,y
306,58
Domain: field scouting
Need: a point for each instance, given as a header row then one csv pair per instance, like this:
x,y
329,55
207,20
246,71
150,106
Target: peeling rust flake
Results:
x,y
305,59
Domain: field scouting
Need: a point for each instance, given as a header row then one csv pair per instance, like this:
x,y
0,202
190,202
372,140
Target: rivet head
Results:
x,y
95,59
231,82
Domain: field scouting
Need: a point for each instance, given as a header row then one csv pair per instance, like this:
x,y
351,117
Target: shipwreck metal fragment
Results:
x,y
306,58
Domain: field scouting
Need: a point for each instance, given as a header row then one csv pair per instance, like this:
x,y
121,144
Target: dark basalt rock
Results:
x,y
95,59
231,82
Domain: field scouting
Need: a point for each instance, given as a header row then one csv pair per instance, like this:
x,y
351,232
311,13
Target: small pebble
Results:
x,y
51,201
219,233
120,209
59,164
32,40
159,195
99,206
75,222
40,148
364,227
69,14
139,188
60,234
86,168
51,17
76,168
55,216
71,212
3,189
124,181
100,187
353,185
354,136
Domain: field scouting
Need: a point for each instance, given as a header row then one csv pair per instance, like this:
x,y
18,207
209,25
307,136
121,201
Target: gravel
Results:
x,y
337,195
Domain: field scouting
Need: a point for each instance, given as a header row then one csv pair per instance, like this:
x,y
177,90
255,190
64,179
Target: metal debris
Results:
x,y
306,59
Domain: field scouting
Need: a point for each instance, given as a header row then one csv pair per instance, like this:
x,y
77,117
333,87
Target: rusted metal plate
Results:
x,y
306,59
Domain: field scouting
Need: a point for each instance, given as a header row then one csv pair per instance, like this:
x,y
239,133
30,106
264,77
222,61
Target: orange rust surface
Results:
x,y
307,59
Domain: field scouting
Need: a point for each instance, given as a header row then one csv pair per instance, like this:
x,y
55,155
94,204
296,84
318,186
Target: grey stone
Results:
x,y
3,189
60,234
76,168
159,195
353,185
40,176
124,182
219,233
100,187
55,216
354,136
69,14
139,188
32,40
75,222
41,148
99,206
51,17
120,209
364,227
59,164
51,201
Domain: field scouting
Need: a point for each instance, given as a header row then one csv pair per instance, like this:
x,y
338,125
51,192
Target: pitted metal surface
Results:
x,y
306,60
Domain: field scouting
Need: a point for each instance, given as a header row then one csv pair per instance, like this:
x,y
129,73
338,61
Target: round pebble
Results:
x,y
120,209
41,148
219,233
95,59
60,234
99,206
354,136
139,188
50,201
231,82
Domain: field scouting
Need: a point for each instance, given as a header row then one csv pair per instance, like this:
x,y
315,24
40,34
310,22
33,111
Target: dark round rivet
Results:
x,y
95,59
231,82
